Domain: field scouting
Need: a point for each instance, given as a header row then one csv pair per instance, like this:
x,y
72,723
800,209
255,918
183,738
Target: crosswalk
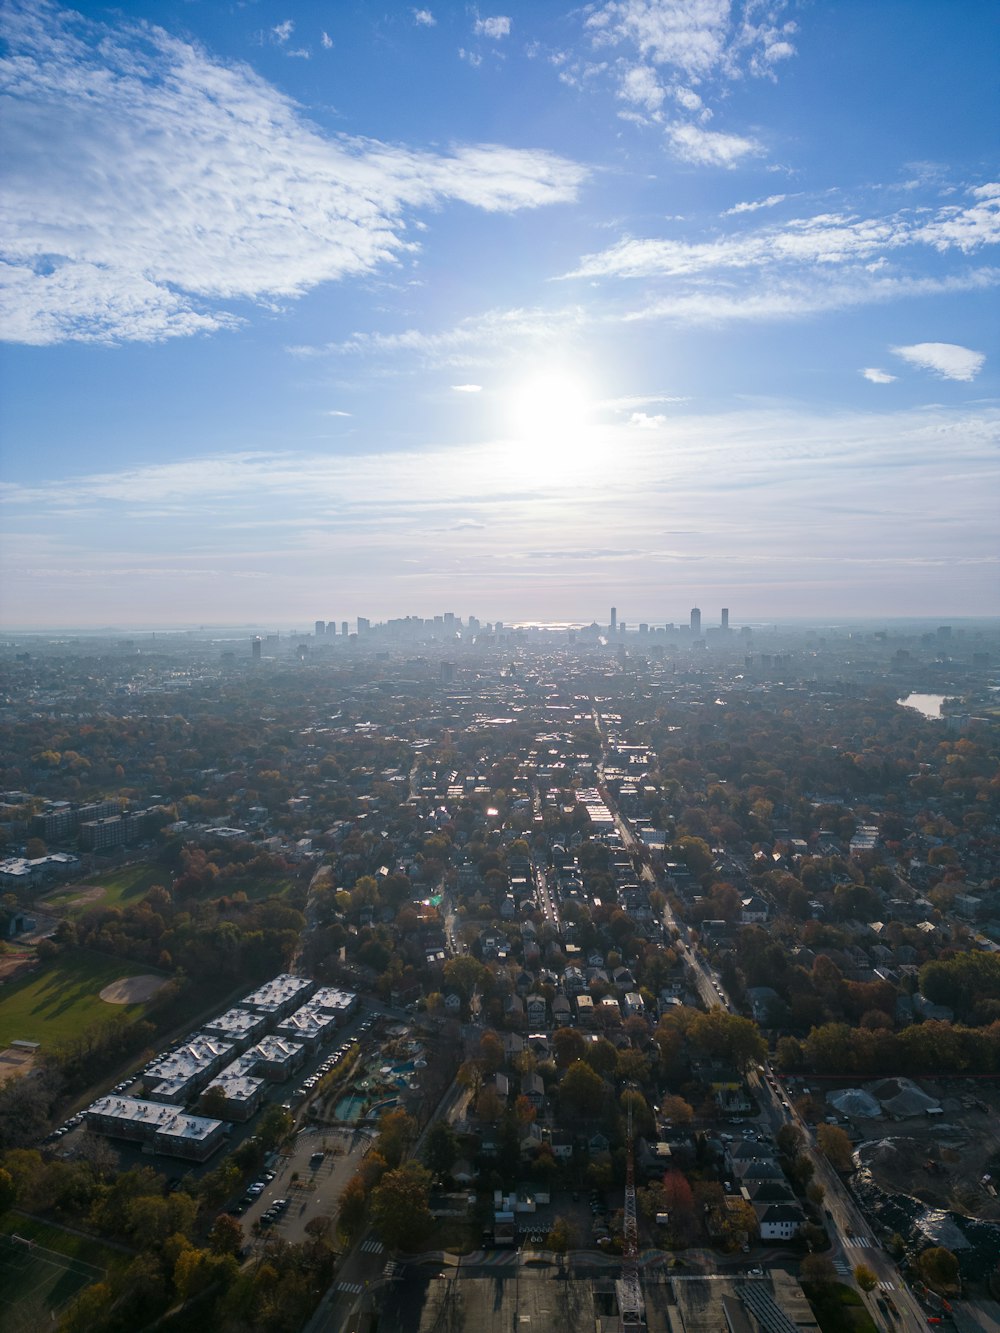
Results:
x,y
856,1243
844,1270
350,1288
372,1247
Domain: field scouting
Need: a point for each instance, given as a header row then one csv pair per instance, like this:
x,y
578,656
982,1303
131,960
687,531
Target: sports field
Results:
x,y
119,886
41,1269
62,999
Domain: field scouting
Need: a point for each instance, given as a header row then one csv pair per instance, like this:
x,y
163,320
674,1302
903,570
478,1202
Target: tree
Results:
x,y
676,1109
939,1268
400,1209
582,1091
8,1191
440,1148
789,1140
728,1037
835,1145
226,1235
818,1270
353,1207
865,1277
274,1127
562,1236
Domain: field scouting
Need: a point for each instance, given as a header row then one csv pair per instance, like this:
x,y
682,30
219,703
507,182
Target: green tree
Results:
x,y
817,1270
274,1127
395,1133
939,1268
562,1236
8,1191
582,1091
865,1277
400,1208
440,1148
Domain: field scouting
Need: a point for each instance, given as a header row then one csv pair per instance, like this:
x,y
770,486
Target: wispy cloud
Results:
x,y
949,360
826,238
465,343
172,183
423,18
494,28
467,388
283,31
752,207
876,376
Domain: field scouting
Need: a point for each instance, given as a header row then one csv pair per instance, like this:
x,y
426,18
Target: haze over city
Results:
x,y
318,310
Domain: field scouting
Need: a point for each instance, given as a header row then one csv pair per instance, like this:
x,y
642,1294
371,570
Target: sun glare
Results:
x,y
550,418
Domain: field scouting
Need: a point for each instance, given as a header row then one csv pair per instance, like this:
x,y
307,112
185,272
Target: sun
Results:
x,y
550,419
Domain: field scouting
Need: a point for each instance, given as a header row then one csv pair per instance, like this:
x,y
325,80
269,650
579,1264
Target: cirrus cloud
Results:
x,y
146,183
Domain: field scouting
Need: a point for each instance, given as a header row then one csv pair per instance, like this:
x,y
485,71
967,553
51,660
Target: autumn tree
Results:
x,y
865,1277
400,1208
835,1145
939,1268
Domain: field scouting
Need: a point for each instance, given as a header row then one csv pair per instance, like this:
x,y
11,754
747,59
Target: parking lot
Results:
x,y
311,1178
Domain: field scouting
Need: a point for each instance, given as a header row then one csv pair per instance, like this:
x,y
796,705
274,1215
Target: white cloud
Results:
x,y
643,421
949,360
423,18
467,388
471,57
875,376
641,86
327,41
691,143
769,202
283,31
496,27
336,412
469,341
826,238
171,182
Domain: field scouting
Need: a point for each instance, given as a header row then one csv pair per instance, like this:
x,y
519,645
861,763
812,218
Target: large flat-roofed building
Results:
x,y
242,1092
183,1072
309,1025
280,996
340,1003
277,1057
172,1132
238,1026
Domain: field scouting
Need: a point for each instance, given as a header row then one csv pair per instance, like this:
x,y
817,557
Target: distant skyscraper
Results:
x,y
343,628
255,649
614,620
725,617
320,628
695,620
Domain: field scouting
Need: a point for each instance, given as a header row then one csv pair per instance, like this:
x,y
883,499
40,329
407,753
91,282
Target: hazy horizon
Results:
x,y
644,304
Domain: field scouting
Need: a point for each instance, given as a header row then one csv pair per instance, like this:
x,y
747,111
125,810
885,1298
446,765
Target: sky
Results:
x,y
317,310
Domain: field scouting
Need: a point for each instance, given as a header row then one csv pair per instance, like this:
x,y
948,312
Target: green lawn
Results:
x,y
121,884
62,999
839,1309
34,1281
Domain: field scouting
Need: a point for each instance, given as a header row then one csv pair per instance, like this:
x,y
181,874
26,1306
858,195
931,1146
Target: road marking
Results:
x,y
373,1247
887,1286
350,1288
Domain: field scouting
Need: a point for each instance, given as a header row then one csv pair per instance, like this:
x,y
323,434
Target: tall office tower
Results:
x,y
320,628
614,620
255,649
331,627
343,628
695,620
725,617
364,625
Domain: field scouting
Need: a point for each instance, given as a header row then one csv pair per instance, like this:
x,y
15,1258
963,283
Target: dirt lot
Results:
x,y
13,964
15,1062
132,990
942,1160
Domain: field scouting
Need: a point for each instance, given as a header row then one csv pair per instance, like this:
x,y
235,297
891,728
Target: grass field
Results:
x,y
126,885
122,884
41,1277
62,999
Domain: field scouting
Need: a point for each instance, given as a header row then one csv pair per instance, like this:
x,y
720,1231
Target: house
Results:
x,y
453,1003
753,910
536,1009
533,1088
779,1221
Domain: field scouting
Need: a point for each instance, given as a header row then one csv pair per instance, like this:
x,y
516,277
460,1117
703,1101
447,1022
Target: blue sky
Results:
x,y
325,310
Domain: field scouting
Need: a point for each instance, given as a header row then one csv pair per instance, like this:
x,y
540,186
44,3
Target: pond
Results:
x,y
928,704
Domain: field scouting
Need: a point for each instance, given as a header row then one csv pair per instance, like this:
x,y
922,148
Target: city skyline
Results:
x,y
533,312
